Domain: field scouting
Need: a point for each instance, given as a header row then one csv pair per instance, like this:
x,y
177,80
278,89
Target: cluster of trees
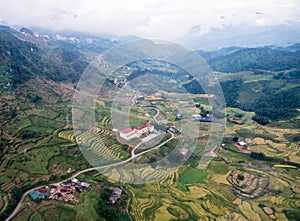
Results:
x,y
194,87
261,119
25,134
16,195
276,106
111,212
263,157
249,59
268,104
231,90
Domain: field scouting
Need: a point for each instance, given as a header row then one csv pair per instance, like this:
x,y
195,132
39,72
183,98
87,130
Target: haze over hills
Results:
x,y
245,36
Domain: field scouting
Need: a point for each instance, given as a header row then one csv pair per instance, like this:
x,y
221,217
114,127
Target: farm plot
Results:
x,y
35,160
137,175
163,200
67,135
247,184
97,144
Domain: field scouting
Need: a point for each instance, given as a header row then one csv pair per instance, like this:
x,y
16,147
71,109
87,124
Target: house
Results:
x,y
140,97
178,115
196,116
86,185
74,180
146,128
116,194
174,130
34,195
242,143
184,151
127,133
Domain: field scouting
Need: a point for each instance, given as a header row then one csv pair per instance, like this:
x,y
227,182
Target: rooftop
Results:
x,y
127,131
143,126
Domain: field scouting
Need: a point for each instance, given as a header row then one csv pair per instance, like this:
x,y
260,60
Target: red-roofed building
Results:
x,y
130,133
127,133
146,128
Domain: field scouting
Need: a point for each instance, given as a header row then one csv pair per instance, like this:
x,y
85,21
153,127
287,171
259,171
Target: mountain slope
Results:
x,y
21,60
250,59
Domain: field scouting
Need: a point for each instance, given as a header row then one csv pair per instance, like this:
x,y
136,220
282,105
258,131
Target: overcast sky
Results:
x,y
165,19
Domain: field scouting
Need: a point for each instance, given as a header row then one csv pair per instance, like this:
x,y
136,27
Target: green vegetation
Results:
x,y
16,195
110,211
35,161
193,175
28,60
257,59
219,167
241,177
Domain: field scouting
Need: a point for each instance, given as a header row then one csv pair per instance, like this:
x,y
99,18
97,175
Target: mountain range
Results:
x,y
262,73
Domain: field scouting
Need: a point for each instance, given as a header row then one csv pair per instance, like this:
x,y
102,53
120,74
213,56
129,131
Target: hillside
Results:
x,y
22,60
235,59
264,80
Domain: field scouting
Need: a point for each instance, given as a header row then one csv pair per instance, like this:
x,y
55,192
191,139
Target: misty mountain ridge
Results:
x,y
245,36
236,59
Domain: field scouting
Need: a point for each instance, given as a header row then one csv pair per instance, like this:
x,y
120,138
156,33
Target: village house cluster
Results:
x,y
63,192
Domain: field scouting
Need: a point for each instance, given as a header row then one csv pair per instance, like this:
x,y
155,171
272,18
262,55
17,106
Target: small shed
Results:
x,y
86,185
242,143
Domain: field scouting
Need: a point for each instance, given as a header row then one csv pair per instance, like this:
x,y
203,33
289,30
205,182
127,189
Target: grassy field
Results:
x,y
192,175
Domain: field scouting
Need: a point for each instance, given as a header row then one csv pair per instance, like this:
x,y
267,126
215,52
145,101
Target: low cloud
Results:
x,y
170,19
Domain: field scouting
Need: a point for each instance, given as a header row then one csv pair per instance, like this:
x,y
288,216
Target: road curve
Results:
x,y
16,210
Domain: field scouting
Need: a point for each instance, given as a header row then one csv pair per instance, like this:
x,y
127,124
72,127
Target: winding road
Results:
x,y
91,169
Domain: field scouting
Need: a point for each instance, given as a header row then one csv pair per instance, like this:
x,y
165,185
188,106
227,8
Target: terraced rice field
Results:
x,y
163,200
138,174
105,121
271,141
98,145
67,135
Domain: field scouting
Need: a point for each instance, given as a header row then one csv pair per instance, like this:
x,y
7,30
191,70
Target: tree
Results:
x,y
109,212
235,139
260,119
241,177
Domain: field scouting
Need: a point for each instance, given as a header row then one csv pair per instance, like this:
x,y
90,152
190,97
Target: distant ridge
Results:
x,y
236,59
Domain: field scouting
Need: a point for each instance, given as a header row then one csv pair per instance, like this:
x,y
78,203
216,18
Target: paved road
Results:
x,y
156,115
90,169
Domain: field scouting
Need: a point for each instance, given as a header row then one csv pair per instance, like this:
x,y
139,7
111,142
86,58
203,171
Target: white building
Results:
x,y
242,143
